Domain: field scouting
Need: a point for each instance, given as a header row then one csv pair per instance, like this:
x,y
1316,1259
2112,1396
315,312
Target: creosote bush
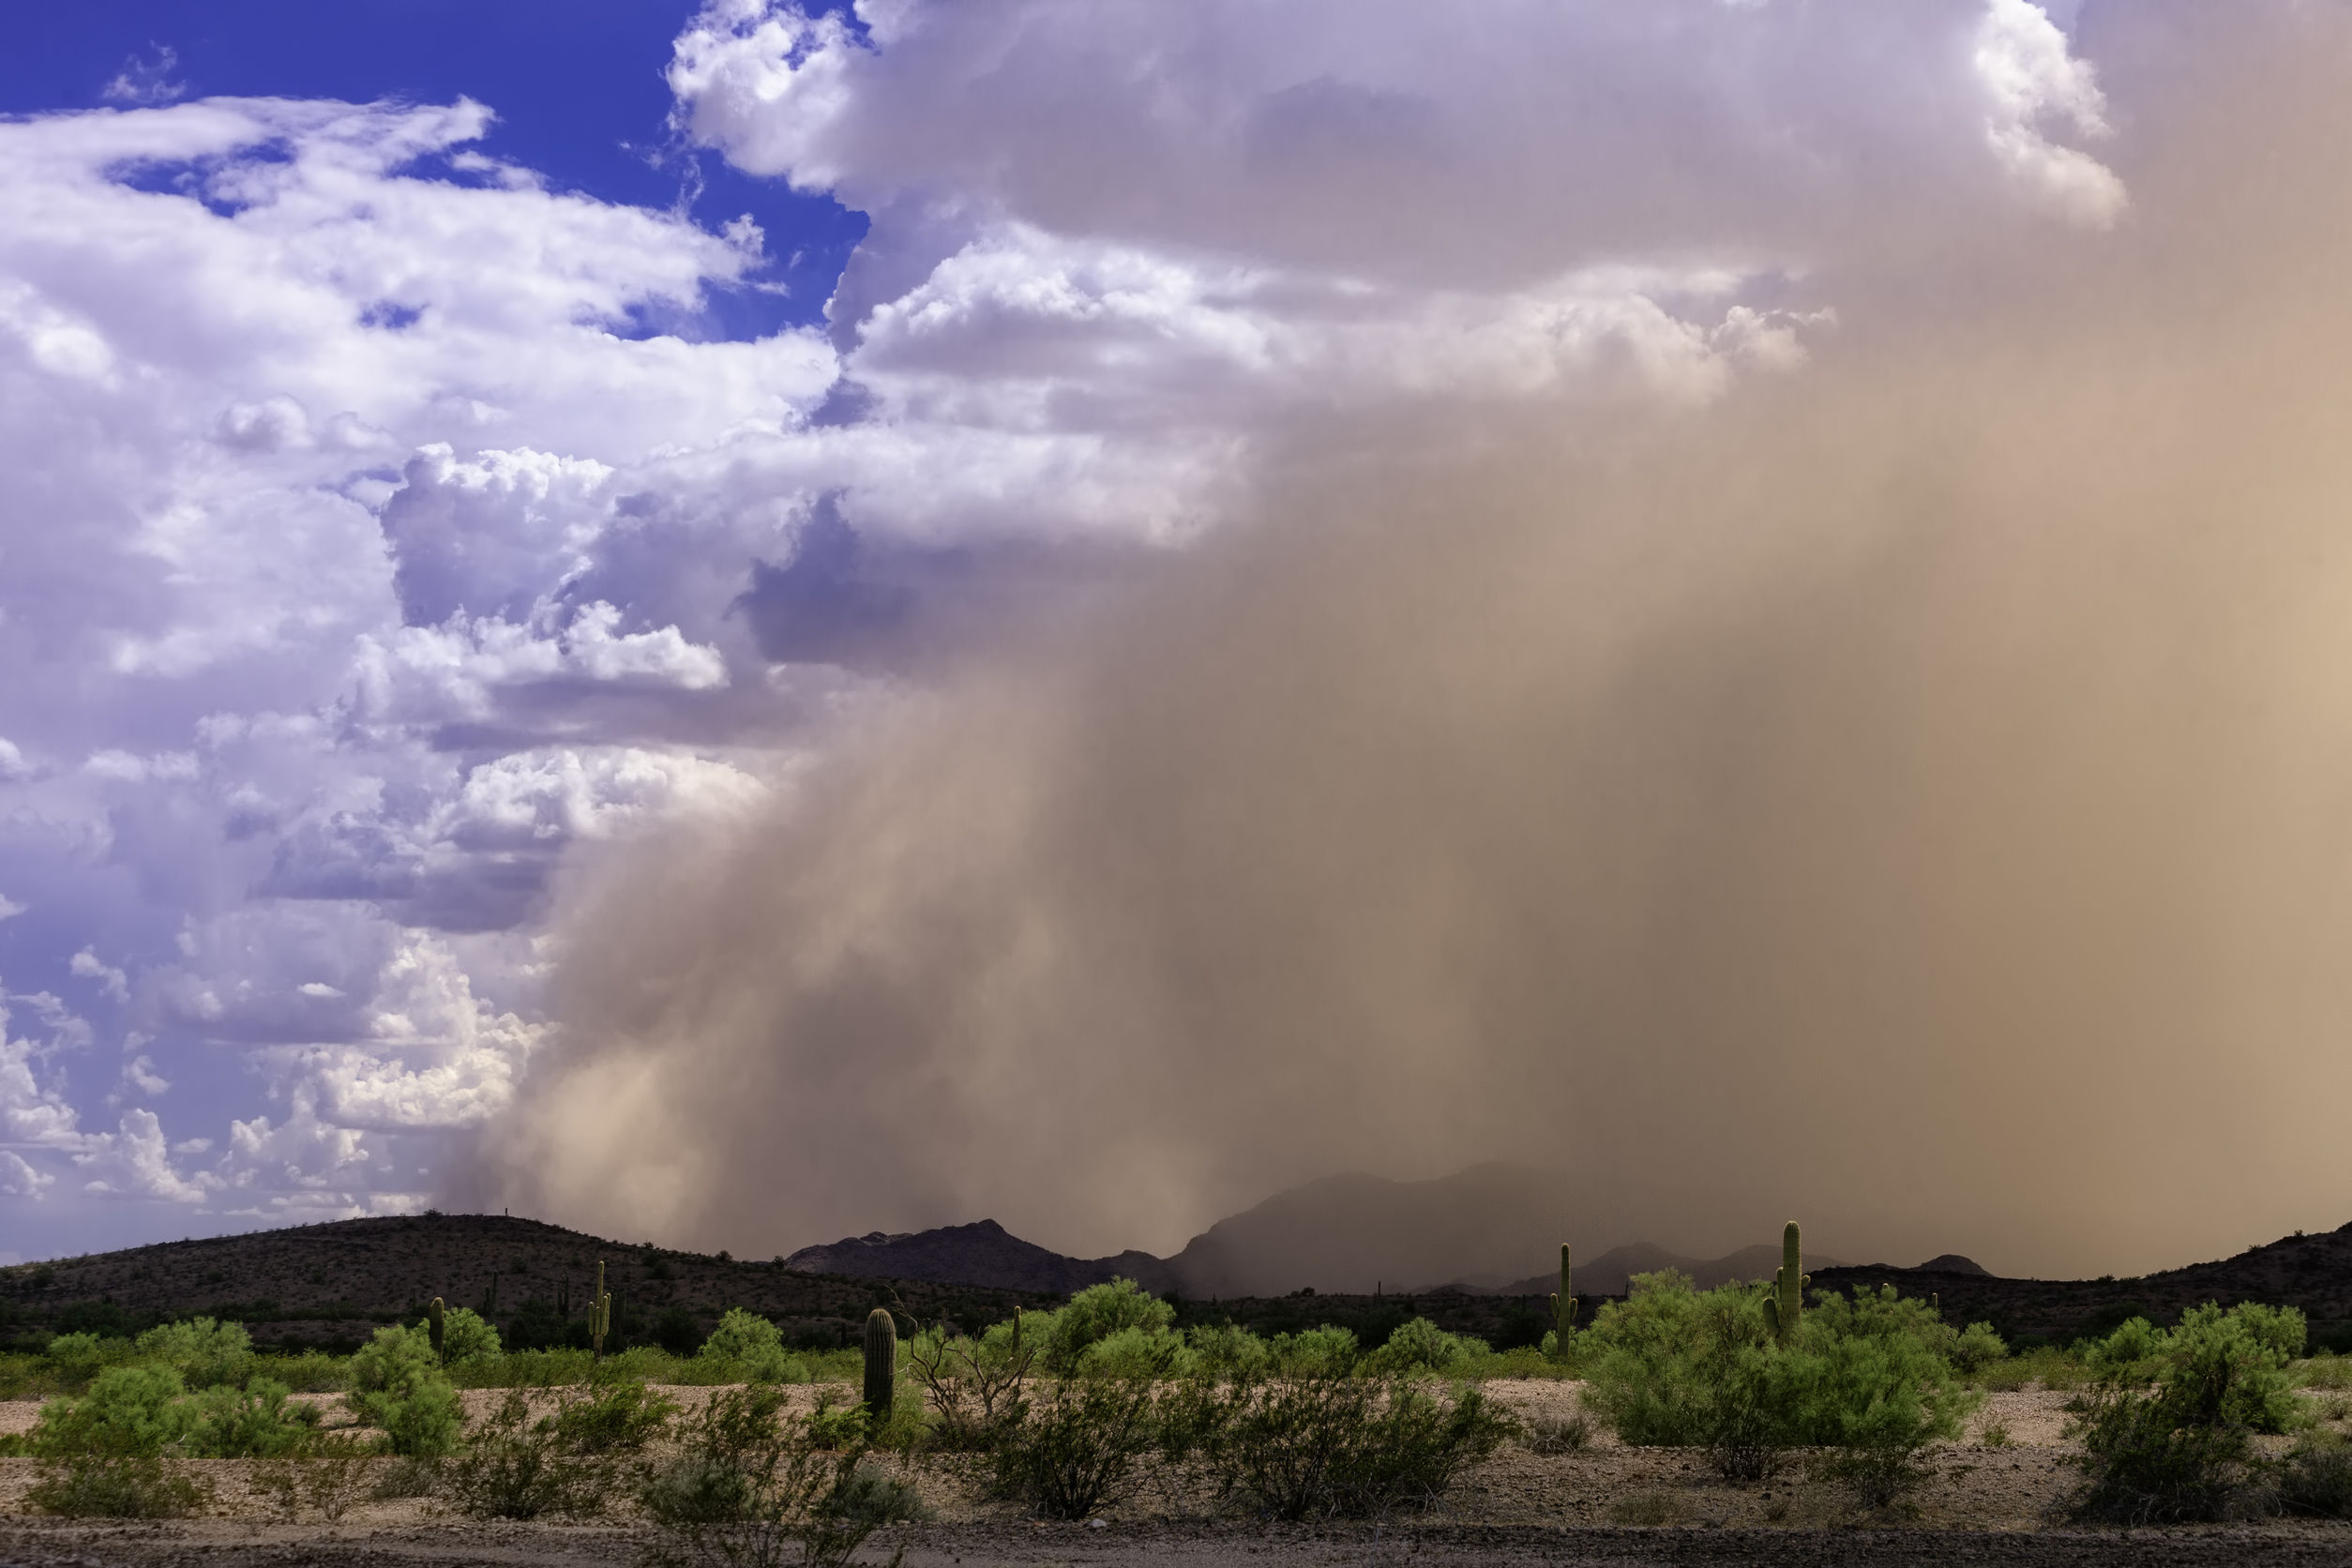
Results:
x,y
1328,1445
748,1487
2181,1449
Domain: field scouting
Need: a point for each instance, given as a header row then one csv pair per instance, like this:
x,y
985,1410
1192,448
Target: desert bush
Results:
x,y
749,1489
519,1467
974,1384
466,1335
1074,1449
1521,1362
1419,1346
1315,1352
2325,1370
1678,1368
103,1451
1136,1352
310,1372
1335,1444
128,1413
1228,1351
1096,1314
619,1415
2314,1478
2182,1450
1550,1434
750,1346
1974,1349
119,1488
76,1358
256,1422
398,1387
323,1485
205,1353
2053,1368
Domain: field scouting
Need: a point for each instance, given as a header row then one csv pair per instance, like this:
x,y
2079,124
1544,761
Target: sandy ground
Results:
x,y
1989,1503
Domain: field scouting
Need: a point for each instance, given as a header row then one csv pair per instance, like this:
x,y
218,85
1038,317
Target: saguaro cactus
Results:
x,y
432,1318
1563,1306
1783,1308
599,1313
882,1363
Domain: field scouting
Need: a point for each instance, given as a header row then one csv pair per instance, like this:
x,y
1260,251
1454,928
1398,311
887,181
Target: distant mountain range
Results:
x,y
1354,1235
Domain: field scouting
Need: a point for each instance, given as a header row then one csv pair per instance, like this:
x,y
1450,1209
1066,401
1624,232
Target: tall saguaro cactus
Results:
x,y
1783,1308
599,1313
882,1363
1563,1306
440,1332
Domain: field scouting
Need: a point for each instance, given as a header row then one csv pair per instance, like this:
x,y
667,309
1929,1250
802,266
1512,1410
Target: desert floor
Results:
x,y
1990,1504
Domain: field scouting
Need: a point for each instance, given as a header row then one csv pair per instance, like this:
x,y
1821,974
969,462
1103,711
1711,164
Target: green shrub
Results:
x,y
1228,1351
1332,1444
618,1416
2182,1450
1569,1433
1315,1352
128,1413
322,1484
104,1451
2316,1477
2325,1370
1418,1346
749,1489
466,1335
123,1487
310,1372
1074,1449
397,1386
1679,1368
1094,1314
77,1357
206,1353
1976,1347
973,1385
751,1347
2053,1368
257,1422
1136,1352
516,1467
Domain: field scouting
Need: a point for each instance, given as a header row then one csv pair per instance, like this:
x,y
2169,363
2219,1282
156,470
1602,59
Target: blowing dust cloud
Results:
x,y
1908,789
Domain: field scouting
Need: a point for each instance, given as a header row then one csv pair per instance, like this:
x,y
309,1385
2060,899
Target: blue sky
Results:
x,y
448,448
578,90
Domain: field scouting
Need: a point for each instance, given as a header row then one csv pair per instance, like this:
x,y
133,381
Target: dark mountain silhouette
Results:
x,y
983,1252
1952,1262
333,1284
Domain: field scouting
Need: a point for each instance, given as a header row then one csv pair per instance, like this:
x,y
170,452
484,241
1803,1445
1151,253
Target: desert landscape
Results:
x,y
873,1419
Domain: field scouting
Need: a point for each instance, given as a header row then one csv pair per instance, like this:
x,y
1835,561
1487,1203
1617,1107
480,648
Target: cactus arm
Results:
x,y
433,1315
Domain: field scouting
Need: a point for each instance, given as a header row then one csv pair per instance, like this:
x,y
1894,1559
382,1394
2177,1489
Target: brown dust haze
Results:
x,y
1913,794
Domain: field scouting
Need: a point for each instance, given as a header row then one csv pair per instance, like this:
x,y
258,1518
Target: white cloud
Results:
x,y
10,909
112,981
19,1179
2032,80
